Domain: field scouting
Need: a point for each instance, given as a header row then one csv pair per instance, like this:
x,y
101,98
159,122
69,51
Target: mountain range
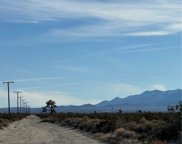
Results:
x,y
154,100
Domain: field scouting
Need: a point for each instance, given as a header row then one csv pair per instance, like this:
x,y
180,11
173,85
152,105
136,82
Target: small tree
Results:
x,y
50,106
177,107
120,111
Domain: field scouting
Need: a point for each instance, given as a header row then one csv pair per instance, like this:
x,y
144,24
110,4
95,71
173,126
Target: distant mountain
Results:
x,y
149,100
13,110
103,103
87,108
114,101
154,100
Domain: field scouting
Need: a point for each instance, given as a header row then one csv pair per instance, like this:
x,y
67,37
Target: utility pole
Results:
x,y
26,108
23,110
29,109
8,82
17,92
24,105
20,103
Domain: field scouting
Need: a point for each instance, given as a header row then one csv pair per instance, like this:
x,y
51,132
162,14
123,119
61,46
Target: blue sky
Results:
x,y
82,51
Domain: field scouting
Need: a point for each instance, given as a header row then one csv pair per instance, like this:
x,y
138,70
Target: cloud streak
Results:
x,y
52,86
159,87
116,18
39,79
123,89
77,69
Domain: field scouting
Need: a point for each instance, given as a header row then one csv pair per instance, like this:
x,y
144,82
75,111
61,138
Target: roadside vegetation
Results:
x,y
5,119
125,128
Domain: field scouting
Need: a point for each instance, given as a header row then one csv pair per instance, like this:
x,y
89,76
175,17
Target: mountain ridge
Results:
x,y
154,100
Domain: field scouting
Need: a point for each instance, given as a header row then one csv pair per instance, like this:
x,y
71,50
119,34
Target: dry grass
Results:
x,y
123,133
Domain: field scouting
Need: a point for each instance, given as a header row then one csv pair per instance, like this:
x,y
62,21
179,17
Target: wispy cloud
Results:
x,y
116,18
39,79
51,86
157,77
159,87
163,30
149,33
79,69
135,48
124,90
151,49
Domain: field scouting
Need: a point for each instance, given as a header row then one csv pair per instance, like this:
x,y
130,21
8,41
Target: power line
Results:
x,y
18,92
8,82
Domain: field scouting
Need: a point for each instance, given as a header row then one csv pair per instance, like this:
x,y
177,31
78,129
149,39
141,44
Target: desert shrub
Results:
x,y
119,123
145,126
165,131
106,137
90,125
4,123
129,134
73,122
12,117
157,129
5,119
119,132
105,126
50,119
130,125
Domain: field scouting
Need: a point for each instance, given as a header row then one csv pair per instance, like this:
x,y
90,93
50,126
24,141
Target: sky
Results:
x,y
86,51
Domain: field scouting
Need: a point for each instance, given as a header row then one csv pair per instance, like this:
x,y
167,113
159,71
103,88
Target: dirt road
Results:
x,y
31,131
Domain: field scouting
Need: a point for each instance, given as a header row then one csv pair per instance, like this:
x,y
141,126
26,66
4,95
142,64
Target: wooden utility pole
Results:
x,y
17,92
20,103
25,106
8,82
23,102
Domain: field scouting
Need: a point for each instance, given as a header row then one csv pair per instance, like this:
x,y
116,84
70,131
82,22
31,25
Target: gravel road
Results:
x,y
31,131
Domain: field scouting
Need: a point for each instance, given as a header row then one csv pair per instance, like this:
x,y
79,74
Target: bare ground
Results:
x,y
31,131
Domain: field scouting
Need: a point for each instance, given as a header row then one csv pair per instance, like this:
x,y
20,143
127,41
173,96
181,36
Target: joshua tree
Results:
x,y
120,111
50,106
177,107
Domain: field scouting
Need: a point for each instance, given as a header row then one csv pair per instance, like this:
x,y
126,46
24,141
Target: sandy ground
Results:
x,y
31,131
